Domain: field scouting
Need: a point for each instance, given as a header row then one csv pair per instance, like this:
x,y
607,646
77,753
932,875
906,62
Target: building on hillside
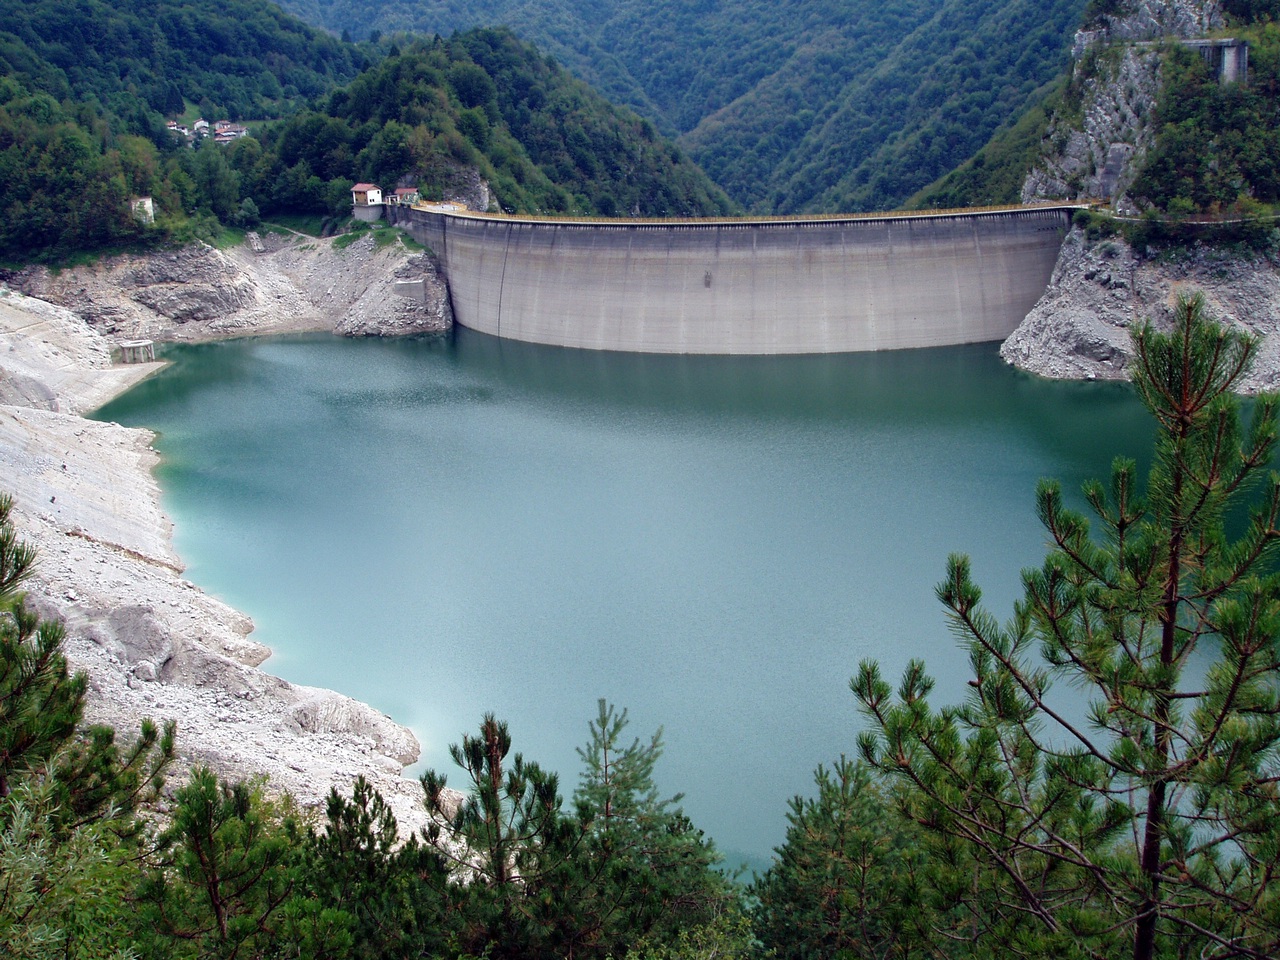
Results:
x,y
224,131
366,202
405,195
1228,58
143,210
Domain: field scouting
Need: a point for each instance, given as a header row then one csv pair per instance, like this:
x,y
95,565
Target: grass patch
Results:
x,y
410,244
310,224
81,258
344,240
229,237
384,234
60,260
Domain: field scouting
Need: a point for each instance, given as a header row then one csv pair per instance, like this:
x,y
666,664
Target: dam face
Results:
x,y
746,287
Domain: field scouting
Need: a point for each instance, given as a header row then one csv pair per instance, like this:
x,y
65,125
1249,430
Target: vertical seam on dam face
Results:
x,y
502,280
751,287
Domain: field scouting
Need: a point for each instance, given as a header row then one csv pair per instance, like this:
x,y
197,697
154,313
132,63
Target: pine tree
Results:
x,y
68,796
390,888
510,844
221,876
847,880
644,871
40,704
1151,826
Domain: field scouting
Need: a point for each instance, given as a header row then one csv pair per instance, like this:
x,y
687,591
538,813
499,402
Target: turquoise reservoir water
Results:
x,y
452,526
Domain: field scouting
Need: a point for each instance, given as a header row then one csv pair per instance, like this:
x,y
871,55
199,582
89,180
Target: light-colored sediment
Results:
x,y
153,644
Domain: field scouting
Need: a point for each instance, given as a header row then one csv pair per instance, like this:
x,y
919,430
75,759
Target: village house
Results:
x,y
224,131
366,202
405,195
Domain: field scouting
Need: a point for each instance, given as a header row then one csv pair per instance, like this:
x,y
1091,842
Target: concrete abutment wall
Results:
x,y
746,287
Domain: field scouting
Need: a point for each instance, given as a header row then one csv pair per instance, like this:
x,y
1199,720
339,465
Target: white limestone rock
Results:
x,y
1080,328
152,644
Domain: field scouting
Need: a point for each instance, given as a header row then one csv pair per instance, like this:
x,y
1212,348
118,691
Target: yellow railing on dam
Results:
x,y
455,210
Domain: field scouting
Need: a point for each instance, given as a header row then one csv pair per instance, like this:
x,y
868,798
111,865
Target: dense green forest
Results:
x,y
543,140
1216,145
1216,150
136,59
1003,826
824,106
86,91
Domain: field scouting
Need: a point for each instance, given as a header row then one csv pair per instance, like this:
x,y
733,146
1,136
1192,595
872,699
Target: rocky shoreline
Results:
x,y
1079,329
153,644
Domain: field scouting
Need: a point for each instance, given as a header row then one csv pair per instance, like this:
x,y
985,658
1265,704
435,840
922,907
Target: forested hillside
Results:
x,y
819,106
1197,147
86,91
544,140
240,59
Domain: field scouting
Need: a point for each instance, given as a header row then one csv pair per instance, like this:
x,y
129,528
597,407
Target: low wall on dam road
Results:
x,y
744,286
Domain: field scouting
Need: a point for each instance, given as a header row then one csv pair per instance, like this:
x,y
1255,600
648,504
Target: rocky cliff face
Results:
x,y
1153,20
1080,327
1097,156
273,284
1096,153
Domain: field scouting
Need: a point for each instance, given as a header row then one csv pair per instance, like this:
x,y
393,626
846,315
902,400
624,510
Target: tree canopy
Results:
x,y
1146,826
823,107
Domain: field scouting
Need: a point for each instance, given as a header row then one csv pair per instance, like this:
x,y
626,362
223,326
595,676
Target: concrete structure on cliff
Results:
x,y
823,285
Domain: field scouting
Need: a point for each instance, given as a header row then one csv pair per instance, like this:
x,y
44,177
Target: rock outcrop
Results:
x,y
1138,20
272,284
1096,151
1080,327
1099,156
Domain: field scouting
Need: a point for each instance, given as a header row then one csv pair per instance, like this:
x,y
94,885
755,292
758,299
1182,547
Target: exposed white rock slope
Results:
x,y
1080,327
152,643
273,284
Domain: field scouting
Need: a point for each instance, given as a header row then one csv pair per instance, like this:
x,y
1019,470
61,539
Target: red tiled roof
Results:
x,y
365,187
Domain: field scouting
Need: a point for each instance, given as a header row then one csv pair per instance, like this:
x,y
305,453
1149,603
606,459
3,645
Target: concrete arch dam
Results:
x,y
745,286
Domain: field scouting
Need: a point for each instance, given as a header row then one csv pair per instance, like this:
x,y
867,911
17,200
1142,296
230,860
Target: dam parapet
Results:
x,y
746,286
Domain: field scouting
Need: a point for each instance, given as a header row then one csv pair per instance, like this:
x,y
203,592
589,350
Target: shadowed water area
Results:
x,y
451,526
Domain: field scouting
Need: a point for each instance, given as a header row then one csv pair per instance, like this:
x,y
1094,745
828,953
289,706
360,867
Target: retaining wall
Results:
x,y
746,287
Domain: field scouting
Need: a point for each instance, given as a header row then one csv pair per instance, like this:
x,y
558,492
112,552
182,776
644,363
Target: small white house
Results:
x,y
366,202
